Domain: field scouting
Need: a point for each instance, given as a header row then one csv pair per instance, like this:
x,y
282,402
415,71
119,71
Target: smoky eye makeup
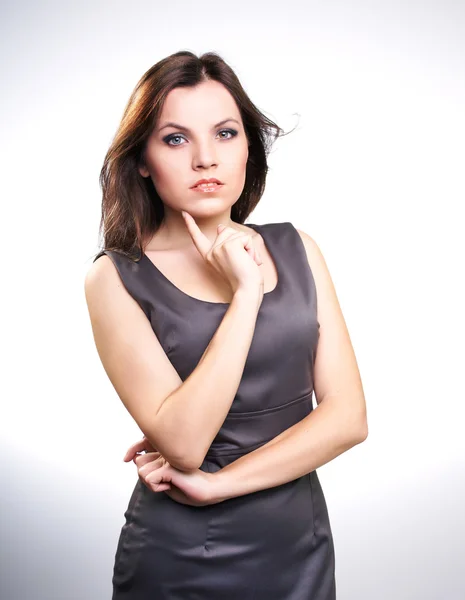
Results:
x,y
167,139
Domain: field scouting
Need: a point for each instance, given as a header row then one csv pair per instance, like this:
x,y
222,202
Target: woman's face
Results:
x,y
176,158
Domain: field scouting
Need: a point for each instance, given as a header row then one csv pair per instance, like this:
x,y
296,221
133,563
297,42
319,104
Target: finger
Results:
x,y
159,476
255,254
250,249
151,466
228,234
131,451
249,246
143,459
251,253
201,242
225,234
136,447
160,488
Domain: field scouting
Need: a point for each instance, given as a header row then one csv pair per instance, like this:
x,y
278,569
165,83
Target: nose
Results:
x,y
204,155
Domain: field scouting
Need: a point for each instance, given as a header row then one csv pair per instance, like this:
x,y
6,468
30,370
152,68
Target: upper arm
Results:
x,y
336,372
131,354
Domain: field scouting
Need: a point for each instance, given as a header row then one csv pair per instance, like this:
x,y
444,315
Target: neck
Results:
x,y
173,233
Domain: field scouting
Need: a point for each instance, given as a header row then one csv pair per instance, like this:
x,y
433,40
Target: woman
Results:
x,y
208,329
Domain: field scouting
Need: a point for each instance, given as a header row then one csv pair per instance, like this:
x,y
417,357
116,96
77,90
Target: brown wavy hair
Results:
x,y
131,208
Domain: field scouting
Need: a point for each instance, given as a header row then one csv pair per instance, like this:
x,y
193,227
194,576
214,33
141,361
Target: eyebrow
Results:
x,y
177,126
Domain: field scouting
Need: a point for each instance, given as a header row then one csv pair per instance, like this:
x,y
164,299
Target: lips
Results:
x,y
206,181
205,188
206,185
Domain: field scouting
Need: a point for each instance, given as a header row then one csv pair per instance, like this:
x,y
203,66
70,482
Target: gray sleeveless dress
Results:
x,y
274,544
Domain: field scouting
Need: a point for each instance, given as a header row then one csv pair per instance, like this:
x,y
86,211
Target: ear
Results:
x,y
143,170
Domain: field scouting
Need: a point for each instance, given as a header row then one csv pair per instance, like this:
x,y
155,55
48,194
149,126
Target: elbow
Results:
x,y
186,459
356,429
179,461
362,437
178,448
359,425
189,461
362,433
184,464
177,456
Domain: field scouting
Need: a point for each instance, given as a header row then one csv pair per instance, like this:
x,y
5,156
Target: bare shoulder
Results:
x,y
103,283
99,270
323,281
329,310
314,253
105,293
336,373
108,299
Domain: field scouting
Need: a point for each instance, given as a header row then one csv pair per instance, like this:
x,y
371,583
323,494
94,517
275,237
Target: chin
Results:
x,y
208,207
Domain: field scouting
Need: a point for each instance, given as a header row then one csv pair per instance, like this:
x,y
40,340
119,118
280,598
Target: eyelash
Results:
x,y
167,139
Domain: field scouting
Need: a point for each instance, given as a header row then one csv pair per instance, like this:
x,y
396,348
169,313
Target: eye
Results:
x,y
175,136
168,139
233,133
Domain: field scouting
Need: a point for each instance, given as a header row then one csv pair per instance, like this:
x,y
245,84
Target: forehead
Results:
x,y
208,102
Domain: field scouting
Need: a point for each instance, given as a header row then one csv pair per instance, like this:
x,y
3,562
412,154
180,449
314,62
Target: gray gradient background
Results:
x,y
374,172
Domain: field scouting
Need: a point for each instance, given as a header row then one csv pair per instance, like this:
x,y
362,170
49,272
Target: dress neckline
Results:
x,y
266,295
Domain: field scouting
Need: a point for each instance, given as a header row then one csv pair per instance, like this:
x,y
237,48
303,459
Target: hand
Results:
x,y
134,452
141,446
195,488
227,257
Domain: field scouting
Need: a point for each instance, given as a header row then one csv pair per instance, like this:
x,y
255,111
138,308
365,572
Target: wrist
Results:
x,y
221,487
248,296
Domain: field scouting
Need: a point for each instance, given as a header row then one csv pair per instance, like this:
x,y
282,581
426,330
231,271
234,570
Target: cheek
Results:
x,y
245,156
236,157
165,172
240,164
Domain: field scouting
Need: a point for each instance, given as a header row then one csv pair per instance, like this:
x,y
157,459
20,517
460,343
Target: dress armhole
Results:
x,y
300,247
130,275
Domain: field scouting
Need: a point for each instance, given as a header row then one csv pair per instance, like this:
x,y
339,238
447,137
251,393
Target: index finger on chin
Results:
x,y
201,242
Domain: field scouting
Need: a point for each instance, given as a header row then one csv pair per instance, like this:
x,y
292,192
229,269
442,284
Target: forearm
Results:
x,y
324,434
194,413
